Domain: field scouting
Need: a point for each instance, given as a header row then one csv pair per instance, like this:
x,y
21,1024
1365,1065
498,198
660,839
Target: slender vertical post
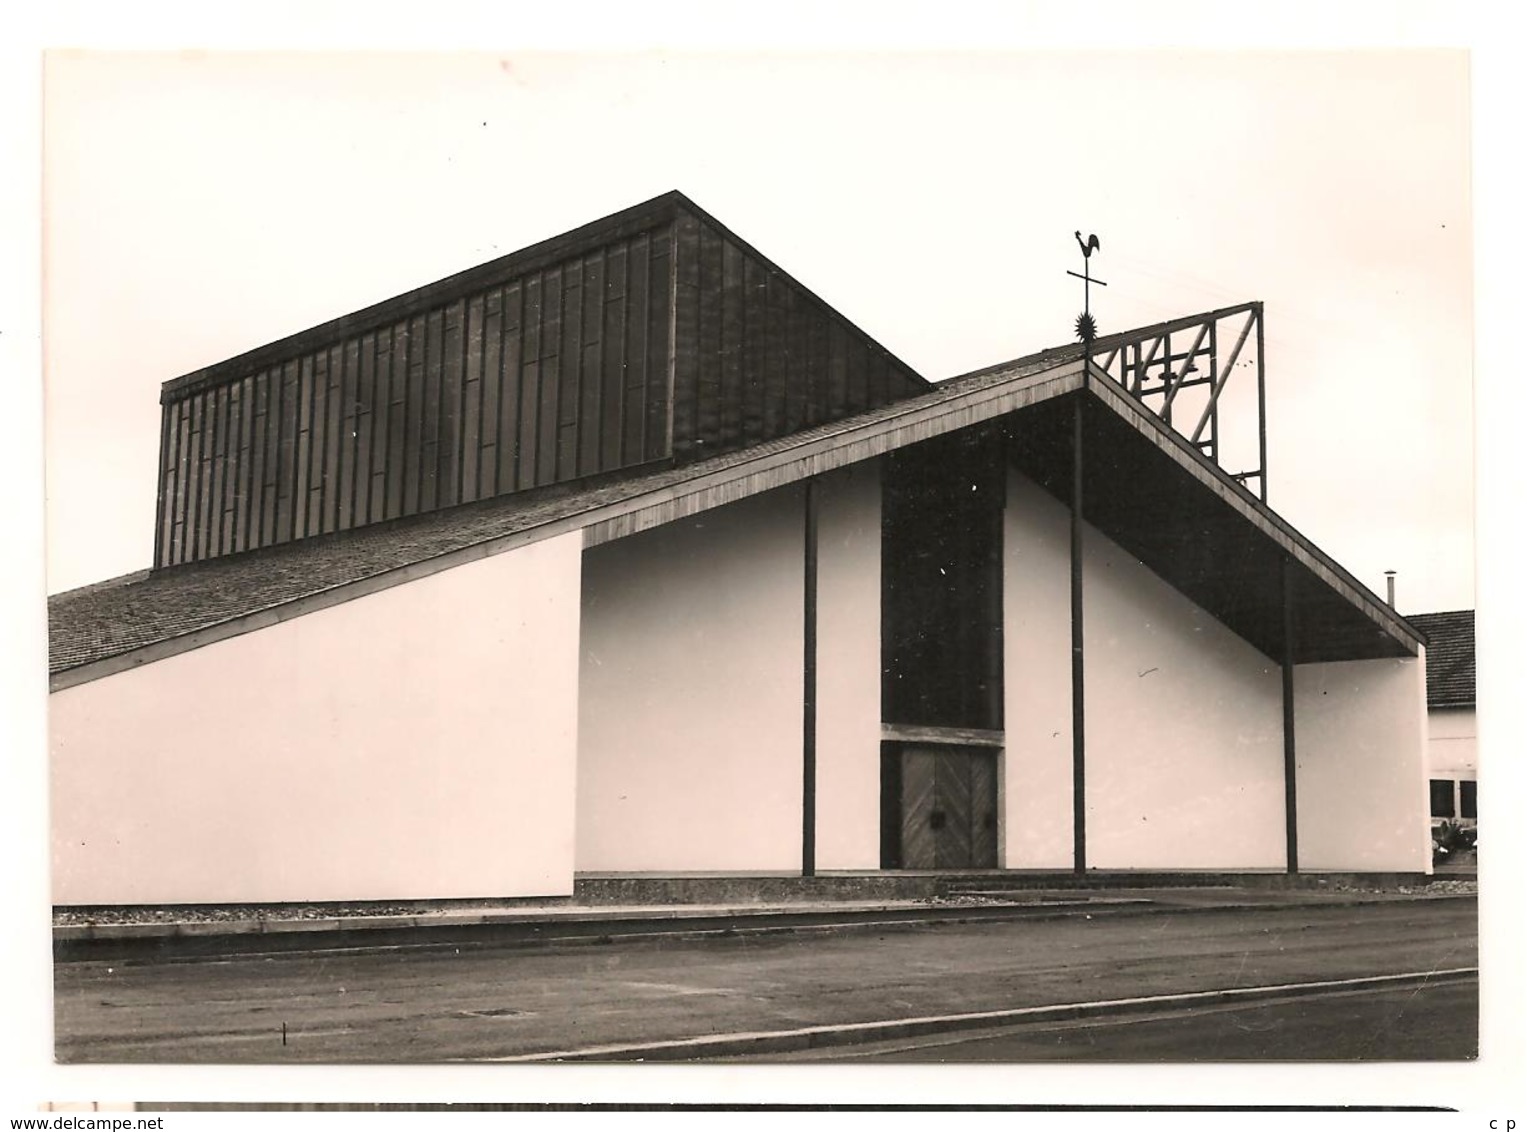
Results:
x,y
1290,766
1261,405
1078,714
809,668
159,506
1214,389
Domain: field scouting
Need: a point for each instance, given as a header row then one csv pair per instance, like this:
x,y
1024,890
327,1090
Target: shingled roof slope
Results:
x,y
1449,657
110,618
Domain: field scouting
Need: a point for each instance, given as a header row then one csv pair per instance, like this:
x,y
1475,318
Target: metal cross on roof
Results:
x,y
1086,328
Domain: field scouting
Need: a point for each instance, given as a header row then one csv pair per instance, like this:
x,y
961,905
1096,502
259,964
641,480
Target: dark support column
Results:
x,y
1078,714
1290,799
1261,407
809,668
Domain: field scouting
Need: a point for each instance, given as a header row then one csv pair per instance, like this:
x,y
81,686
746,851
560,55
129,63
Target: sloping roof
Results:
x,y
110,619
140,618
1449,657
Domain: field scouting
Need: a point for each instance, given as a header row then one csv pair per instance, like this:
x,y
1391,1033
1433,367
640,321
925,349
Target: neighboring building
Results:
x,y
1452,757
626,553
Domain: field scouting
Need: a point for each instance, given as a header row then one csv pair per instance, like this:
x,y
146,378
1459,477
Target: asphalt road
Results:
x,y
417,1006
1436,1023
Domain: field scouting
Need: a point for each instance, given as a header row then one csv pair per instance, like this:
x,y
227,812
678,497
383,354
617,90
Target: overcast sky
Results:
x,y
198,205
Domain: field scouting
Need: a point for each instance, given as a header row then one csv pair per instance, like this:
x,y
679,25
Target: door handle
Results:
x,y
936,819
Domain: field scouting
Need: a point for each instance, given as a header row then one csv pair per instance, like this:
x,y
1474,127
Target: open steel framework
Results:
x,y
1155,369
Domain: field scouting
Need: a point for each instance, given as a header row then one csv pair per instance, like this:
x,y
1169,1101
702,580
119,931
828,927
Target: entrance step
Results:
x,y
778,888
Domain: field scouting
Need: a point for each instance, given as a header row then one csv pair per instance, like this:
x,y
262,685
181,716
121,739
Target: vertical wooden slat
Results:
x,y
262,502
510,363
749,376
219,481
291,423
837,370
449,452
365,428
208,456
247,435
303,449
613,358
472,400
397,421
231,468
254,476
160,508
333,435
590,350
638,313
318,444
271,474
879,378
552,366
387,424
662,283
171,482
347,358
797,378
686,331
821,367
707,433
203,473
413,413
193,473
429,420
170,413
180,536
772,356
919,848
858,377
530,382
570,375
729,360
492,390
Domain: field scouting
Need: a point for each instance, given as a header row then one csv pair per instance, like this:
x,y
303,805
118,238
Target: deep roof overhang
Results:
x,y
1147,489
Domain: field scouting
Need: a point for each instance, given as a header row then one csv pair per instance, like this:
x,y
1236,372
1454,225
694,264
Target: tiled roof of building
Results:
x,y
110,618
1449,657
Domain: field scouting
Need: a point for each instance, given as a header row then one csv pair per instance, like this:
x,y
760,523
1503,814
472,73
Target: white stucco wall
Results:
x,y
1184,729
848,669
1360,738
1452,744
1184,723
690,709
417,742
1036,665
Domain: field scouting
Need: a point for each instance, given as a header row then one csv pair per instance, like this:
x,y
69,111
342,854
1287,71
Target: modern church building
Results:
x,y
626,554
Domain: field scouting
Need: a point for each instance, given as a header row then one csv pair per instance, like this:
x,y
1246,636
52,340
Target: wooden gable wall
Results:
x,y
653,335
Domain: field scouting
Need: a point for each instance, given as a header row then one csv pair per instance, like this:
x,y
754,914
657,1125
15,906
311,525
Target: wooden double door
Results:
x,y
948,807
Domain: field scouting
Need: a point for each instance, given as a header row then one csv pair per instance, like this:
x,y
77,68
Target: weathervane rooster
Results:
x,y
1086,328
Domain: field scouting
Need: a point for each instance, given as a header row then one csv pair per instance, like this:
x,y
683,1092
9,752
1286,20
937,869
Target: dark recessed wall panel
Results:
x,y
759,356
941,583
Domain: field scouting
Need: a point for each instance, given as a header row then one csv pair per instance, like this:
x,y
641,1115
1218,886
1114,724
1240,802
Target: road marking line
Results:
x,y
775,1041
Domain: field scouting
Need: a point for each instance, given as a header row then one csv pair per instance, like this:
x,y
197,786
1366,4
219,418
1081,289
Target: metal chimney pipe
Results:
x,y
1389,577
